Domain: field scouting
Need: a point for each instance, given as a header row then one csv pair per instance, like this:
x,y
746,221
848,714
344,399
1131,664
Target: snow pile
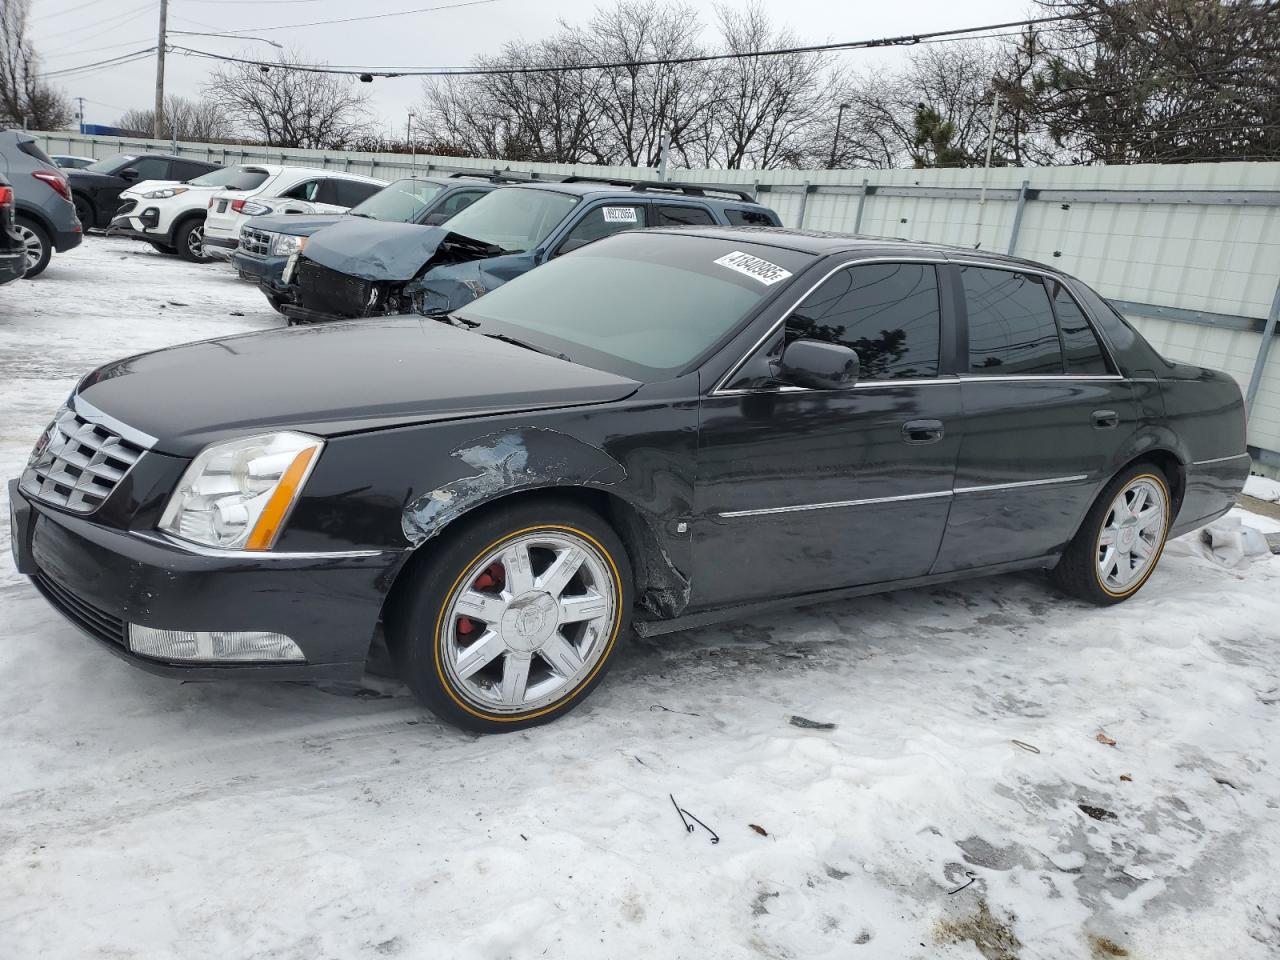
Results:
x,y
1262,488
984,769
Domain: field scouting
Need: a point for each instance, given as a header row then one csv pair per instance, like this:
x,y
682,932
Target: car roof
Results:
x,y
594,189
822,244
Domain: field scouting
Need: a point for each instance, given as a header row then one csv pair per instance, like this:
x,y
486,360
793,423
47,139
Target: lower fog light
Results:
x,y
212,646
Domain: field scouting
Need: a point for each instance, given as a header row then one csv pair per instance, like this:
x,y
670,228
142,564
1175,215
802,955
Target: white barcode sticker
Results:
x,y
620,215
755,268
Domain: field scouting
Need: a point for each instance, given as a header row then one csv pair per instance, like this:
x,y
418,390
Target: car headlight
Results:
x,y
283,245
165,193
238,494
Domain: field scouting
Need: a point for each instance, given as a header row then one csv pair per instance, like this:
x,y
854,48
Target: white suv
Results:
x,y
170,216
292,190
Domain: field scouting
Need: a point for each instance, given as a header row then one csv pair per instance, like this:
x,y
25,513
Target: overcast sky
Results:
x,y
71,33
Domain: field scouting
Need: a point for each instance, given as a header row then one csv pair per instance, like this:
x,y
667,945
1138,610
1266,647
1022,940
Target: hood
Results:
x,y
92,177
295,224
376,250
335,378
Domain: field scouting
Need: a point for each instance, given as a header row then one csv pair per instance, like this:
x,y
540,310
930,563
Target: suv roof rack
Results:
x,y
689,189
494,176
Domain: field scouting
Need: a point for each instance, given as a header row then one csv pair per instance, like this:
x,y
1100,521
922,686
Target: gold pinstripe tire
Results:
x,y
1121,540
515,616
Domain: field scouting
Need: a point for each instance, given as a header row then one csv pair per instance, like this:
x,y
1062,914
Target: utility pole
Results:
x,y
835,141
157,125
986,172
81,115
413,147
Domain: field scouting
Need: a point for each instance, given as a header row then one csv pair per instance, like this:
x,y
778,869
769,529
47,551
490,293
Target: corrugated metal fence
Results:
x,y
1190,252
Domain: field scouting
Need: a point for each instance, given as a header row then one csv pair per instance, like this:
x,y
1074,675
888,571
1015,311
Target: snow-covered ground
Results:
x,y
971,740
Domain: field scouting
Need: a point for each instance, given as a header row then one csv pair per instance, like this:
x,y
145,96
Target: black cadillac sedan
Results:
x,y
663,429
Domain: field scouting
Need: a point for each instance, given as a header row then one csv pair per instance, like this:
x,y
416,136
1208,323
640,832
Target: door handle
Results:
x,y
1105,419
922,431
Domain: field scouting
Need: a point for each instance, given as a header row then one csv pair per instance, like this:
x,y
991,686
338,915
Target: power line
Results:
x,y
81,50
115,18
113,61
371,16
392,72
63,13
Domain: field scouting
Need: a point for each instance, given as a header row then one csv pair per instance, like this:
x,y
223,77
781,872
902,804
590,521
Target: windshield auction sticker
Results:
x,y
755,268
620,215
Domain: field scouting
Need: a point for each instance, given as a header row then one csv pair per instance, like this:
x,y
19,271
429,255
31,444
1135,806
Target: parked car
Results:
x,y
67,162
361,269
13,252
292,190
685,425
96,188
266,243
44,215
171,216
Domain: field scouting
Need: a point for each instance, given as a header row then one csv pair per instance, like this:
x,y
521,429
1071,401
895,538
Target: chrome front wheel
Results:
x,y
529,622
195,242
1132,534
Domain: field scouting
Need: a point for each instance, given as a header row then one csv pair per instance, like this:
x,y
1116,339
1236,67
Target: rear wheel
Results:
x,y
515,617
189,239
1121,539
38,245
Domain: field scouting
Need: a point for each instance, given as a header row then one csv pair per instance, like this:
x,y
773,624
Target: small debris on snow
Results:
x,y
758,829
1098,813
1126,778
236,313
689,826
972,877
178,303
1022,744
1103,738
806,724
683,713
1225,782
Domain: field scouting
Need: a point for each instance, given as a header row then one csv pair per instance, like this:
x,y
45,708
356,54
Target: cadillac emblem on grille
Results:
x,y
76,464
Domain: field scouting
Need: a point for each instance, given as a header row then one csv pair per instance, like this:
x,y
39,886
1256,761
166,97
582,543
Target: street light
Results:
x,y
835,141
230,36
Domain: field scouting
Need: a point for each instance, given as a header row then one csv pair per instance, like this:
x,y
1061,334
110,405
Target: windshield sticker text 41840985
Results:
x,y
754,267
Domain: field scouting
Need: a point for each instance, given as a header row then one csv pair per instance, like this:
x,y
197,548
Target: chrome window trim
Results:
x,y
160,538
122,430
1235,456
1076,478
797,508
719,389
945,378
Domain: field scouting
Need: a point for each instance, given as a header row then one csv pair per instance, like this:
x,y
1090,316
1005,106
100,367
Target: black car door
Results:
x,y
800,489
1045,413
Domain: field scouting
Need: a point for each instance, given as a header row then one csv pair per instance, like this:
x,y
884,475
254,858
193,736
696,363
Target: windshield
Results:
x,y
515,219
227,176
111,164
646,305
399,202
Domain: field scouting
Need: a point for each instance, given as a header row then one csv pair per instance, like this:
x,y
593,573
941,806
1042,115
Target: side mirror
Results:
x,y
435,219
129,173
818,365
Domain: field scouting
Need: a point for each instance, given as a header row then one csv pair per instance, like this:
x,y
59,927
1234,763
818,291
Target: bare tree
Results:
x,y
766,107
290,108
201,121
26,99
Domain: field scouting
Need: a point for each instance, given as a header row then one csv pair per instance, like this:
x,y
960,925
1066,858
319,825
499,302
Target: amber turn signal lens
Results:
x,y
273,514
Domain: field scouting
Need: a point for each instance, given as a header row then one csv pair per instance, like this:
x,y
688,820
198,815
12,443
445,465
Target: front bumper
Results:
x,y
259,269
220,248
101,579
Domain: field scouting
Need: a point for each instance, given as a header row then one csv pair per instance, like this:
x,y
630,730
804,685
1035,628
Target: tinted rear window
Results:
x,y
1011,324
751,218
1083,351
671,214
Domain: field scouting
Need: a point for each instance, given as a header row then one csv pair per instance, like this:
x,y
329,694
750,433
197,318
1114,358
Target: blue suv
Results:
x,y
360,268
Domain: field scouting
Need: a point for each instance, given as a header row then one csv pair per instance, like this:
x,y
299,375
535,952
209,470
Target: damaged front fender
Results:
x,y
507,461
447,287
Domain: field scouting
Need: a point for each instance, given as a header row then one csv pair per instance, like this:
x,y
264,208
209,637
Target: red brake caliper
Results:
x,y
491,580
